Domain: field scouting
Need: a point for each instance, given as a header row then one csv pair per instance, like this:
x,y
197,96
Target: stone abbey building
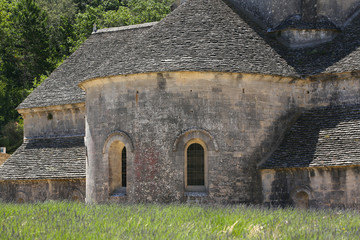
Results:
x,y
226,101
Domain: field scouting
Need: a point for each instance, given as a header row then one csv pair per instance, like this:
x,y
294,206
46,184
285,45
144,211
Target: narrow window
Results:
x,y
195,165
117,168
123,167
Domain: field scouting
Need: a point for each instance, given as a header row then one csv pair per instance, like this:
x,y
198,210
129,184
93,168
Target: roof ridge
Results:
x,y
54,137
124,28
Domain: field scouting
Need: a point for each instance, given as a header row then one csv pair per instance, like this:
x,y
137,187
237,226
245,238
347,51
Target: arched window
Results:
x,y
195,165
117,168
195,169
195,149
301,200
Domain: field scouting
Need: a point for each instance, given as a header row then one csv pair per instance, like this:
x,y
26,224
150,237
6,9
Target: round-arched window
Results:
x,y
195,165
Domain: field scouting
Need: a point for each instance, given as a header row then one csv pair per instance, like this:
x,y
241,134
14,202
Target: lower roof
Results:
x,y
325,136
47,158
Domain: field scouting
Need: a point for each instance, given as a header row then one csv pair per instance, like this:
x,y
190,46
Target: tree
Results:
x,y
61,17
12,135
149,10
24,53
32,41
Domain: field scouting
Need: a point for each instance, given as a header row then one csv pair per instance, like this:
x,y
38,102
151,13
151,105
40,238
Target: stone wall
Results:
x,y
324,187
243,116
42,190
64,120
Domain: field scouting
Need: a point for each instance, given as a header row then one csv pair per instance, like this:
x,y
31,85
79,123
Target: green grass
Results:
x,y
63,220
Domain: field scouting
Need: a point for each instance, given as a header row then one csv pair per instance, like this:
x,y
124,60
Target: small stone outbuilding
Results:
x,y
221,102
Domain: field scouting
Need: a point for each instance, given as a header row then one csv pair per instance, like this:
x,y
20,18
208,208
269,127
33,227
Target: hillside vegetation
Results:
x,y
62,220
37,35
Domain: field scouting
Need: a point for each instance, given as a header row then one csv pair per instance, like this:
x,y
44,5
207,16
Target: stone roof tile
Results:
x,y
50,158
200,35
327,136
61,86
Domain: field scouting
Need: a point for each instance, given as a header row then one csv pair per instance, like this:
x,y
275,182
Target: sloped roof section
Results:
x,y
328,136
52,158
200,35
61,86
337,56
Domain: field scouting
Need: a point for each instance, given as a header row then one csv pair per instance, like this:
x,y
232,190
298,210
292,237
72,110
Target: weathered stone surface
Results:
x,y
245,115
42,190
329,187
55,121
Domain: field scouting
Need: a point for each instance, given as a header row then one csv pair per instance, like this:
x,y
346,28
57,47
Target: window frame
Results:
x,y
121,190
196,188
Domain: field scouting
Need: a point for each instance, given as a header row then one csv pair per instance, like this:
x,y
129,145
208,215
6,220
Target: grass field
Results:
x,y
64,220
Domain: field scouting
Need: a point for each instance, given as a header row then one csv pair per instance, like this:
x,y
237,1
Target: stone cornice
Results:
x,y
51,108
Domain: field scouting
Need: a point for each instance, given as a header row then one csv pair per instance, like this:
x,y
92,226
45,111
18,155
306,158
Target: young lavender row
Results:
x,y
64,220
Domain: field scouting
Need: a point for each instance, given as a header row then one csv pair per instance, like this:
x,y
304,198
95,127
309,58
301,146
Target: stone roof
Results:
x,y
200,35
61,86
295,22
337,56
52,158
327,136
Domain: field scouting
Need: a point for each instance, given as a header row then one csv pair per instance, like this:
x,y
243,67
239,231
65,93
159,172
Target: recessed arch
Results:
x,y
117,153
196,133
301,197
119,136
196,166
76,195
21,197
206,144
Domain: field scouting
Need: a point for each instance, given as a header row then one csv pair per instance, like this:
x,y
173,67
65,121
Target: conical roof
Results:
x,y
200,35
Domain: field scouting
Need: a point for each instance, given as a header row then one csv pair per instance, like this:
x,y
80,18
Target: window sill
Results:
x,y
119,193
196,194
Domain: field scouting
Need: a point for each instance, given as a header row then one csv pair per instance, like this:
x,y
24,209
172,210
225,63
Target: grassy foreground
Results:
x,y
63,220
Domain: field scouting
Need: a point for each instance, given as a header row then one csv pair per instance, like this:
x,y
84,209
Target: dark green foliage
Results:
x,y
31,42
12,134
